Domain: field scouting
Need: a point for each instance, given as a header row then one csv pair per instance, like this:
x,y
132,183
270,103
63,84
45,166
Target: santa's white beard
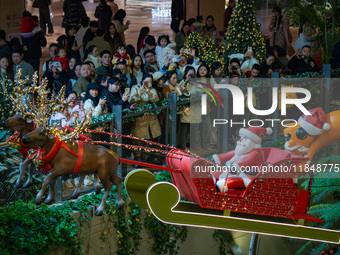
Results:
x,y
244,147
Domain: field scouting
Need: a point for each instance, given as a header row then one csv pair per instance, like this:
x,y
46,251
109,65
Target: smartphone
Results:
x,y
187,51
149,84
127,90
234,68
104,97
56,63
250,49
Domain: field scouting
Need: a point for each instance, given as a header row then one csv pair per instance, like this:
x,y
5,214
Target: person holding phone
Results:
x,y
56,76
93,101
114,97
147,126
302,62
247,59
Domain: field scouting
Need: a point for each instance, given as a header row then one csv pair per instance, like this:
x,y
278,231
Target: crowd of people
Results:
x,y
100,71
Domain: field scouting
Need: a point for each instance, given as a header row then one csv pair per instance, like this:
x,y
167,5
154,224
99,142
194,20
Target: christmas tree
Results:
x,y
194,40
210,52
207,48
244,31
6,108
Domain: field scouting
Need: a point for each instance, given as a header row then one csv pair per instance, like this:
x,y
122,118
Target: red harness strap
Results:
x,y
15,141
39,158
79,154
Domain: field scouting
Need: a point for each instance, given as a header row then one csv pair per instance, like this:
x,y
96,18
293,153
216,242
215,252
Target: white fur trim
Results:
x,y
326,126
250,135
310,129
269,131
216,159
220,185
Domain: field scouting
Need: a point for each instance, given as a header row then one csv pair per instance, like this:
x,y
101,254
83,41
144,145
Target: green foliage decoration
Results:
x,y
325,202
224,238
323,15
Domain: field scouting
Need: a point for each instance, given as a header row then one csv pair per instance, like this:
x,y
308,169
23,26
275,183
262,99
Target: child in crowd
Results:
x,y
61,57
173,66
198,25
122,55
28,26
164,50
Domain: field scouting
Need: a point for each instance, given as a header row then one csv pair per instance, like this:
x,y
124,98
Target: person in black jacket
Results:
x,y
73,12
33,48
90,33
103,13
302,62
176,14
271,64
57,77
44,15
111,93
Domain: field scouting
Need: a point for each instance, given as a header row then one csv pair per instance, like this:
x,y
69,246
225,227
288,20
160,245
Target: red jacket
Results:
x,y
27,24
63,61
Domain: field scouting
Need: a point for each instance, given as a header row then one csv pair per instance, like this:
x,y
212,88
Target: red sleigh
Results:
x,y
268,194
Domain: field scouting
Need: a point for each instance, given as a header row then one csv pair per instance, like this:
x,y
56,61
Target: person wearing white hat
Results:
x,y
248,152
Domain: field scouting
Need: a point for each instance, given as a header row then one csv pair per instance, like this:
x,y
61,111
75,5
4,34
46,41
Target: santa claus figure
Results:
x,y
242,162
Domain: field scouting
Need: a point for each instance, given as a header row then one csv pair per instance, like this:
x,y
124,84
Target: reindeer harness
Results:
x,y
15,142
43,160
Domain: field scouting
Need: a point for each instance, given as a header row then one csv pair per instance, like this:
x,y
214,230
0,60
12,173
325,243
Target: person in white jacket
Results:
x,y
92,100
247,60
165,50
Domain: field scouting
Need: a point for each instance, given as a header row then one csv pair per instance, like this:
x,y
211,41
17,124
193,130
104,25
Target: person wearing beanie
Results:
x,y
159,80
248,152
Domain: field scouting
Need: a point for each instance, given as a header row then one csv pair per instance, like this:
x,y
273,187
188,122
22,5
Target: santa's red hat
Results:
x,y
315,123
254,133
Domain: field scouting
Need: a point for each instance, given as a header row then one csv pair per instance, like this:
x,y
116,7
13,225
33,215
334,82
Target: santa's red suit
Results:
x,y
248,152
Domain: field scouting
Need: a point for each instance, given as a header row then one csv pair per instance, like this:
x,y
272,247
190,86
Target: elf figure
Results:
x,y
248,152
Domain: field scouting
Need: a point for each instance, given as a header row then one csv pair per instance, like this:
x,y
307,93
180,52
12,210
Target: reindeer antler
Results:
x,y
80,127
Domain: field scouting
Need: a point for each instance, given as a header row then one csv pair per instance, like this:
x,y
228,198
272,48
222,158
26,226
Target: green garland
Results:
x,y
126,112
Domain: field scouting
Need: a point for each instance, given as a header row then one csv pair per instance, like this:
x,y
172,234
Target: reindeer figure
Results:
x,y
67,156
21,123
21,126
